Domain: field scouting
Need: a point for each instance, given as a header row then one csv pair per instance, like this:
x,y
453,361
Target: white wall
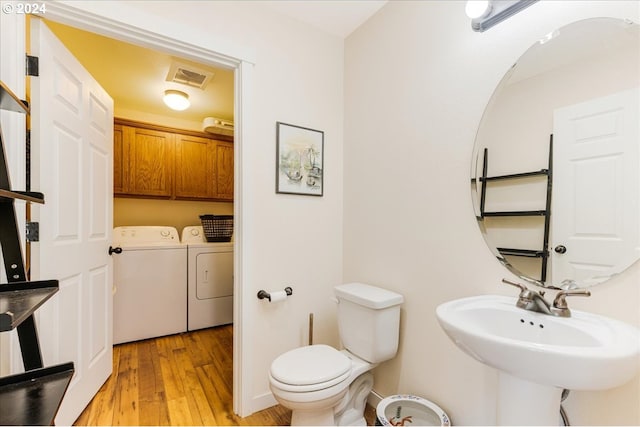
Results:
x,y
417,81
292,240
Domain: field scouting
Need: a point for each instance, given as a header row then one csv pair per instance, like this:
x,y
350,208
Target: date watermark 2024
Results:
x,y
22,8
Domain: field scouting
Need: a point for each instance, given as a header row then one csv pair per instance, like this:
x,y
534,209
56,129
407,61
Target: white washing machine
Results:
x,y
209,280
149,277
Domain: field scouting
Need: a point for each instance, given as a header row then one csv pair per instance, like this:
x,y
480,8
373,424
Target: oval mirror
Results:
x,y
556,165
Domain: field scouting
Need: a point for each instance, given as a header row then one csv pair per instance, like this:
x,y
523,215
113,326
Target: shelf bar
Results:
x,y
29,196
529,253
18,301
9,101
541,172
516,213
34,397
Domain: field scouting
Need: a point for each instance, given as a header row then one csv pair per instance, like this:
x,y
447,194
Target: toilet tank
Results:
x,y
369,321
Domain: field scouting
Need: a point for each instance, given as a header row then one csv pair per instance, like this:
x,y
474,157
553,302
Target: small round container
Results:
x,y
408,410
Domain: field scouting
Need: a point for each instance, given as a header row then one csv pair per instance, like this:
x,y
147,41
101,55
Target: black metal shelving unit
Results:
x,y
32,397
542,253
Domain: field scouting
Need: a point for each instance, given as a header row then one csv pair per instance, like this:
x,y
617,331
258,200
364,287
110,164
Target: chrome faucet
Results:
x,y
535,301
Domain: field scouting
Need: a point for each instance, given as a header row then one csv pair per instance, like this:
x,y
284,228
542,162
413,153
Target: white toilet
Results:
x,y
324,386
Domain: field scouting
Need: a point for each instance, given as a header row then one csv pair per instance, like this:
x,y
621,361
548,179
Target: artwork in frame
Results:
x,y
299,160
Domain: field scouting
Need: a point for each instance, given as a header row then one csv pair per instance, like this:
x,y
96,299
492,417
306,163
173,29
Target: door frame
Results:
x,y
240,61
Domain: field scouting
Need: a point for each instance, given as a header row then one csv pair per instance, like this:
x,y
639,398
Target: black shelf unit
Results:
x,y
542,253
33,397
20,300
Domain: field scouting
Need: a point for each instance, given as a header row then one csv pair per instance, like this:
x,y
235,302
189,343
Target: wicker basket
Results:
x,y
217,228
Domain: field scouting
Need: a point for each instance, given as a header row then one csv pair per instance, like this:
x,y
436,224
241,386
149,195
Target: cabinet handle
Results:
x,y
113,250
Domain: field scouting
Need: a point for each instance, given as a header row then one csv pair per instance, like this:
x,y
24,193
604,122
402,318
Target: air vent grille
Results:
x,y
189,75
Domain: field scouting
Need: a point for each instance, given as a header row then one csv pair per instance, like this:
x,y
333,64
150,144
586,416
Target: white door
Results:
x,y
596,184
72,164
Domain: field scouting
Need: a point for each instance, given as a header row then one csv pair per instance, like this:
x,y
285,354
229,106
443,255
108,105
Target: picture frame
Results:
x,y
299,160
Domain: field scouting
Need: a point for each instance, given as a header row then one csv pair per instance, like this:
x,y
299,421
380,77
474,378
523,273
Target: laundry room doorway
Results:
x,y
77,17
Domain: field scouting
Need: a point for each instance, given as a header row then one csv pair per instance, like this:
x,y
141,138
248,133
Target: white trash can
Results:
x,y
407,410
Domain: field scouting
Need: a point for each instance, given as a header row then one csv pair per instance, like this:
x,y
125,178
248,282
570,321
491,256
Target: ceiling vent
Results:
x,y
189,75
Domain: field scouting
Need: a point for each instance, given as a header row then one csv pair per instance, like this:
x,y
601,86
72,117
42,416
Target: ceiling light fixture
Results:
x,y
486,14
477,8
176,100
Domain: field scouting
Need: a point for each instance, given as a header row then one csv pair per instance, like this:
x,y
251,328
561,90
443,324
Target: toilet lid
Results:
x,y
313,364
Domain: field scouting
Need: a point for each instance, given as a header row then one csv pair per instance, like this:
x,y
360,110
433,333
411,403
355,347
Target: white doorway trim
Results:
x,y
78,15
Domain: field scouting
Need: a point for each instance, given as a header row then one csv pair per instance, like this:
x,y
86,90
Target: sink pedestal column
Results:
x,y
522,402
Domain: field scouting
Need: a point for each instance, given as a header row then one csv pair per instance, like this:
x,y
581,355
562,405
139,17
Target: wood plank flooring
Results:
x,y
183,379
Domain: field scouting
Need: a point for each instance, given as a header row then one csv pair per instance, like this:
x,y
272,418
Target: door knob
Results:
x,y
560,249
113,250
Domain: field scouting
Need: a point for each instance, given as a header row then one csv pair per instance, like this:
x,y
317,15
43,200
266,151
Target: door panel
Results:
x,y
72,163
596,175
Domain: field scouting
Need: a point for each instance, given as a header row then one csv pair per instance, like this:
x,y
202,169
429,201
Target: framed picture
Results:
x,y
299,160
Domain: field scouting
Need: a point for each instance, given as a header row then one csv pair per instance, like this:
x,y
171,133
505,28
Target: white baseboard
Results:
x,y
266,400
374,399
263,401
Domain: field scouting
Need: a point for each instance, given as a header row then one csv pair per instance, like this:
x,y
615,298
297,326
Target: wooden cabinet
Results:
x,y
154,161
120,173
195,167
151,165
224,170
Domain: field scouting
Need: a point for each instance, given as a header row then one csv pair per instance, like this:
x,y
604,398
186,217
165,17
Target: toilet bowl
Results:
x,y
326,386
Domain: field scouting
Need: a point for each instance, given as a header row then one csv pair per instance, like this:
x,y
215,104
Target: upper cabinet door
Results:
x,y
151,161
120,166
195,167
224,170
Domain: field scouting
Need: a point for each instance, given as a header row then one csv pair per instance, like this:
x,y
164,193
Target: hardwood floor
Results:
x,y
183,379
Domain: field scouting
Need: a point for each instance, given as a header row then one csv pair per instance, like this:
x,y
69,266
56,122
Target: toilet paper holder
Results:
x,y
262,294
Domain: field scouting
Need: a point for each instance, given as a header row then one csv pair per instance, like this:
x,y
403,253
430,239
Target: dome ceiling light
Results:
x,y
176,100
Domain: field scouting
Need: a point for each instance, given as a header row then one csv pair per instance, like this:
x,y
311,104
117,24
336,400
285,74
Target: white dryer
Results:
x,y
150,281
209,280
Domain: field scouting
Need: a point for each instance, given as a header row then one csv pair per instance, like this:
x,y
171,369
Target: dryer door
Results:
x,y
214,275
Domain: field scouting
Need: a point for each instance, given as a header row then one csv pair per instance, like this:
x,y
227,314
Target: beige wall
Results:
x,y
174,213
408,218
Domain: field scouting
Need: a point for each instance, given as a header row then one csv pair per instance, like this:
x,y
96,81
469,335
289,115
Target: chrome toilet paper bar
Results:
x,y
262,294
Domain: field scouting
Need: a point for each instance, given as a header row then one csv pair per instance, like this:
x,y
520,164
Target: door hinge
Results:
x,y
33,232
32,68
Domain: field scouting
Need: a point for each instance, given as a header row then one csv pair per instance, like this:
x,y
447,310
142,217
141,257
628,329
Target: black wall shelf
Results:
x,y
20,300
34,397
545,213
10,102
27,196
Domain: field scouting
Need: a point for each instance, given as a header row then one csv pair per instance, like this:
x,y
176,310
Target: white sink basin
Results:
x,y
581,352
537,355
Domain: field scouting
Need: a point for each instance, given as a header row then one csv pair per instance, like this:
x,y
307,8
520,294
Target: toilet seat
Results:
x,y
310,368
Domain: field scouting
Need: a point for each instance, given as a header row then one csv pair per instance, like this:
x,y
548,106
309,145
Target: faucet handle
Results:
x,y
522,287
560,299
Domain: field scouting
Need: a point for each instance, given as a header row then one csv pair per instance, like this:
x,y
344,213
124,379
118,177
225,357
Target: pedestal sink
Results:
x,y
537,355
